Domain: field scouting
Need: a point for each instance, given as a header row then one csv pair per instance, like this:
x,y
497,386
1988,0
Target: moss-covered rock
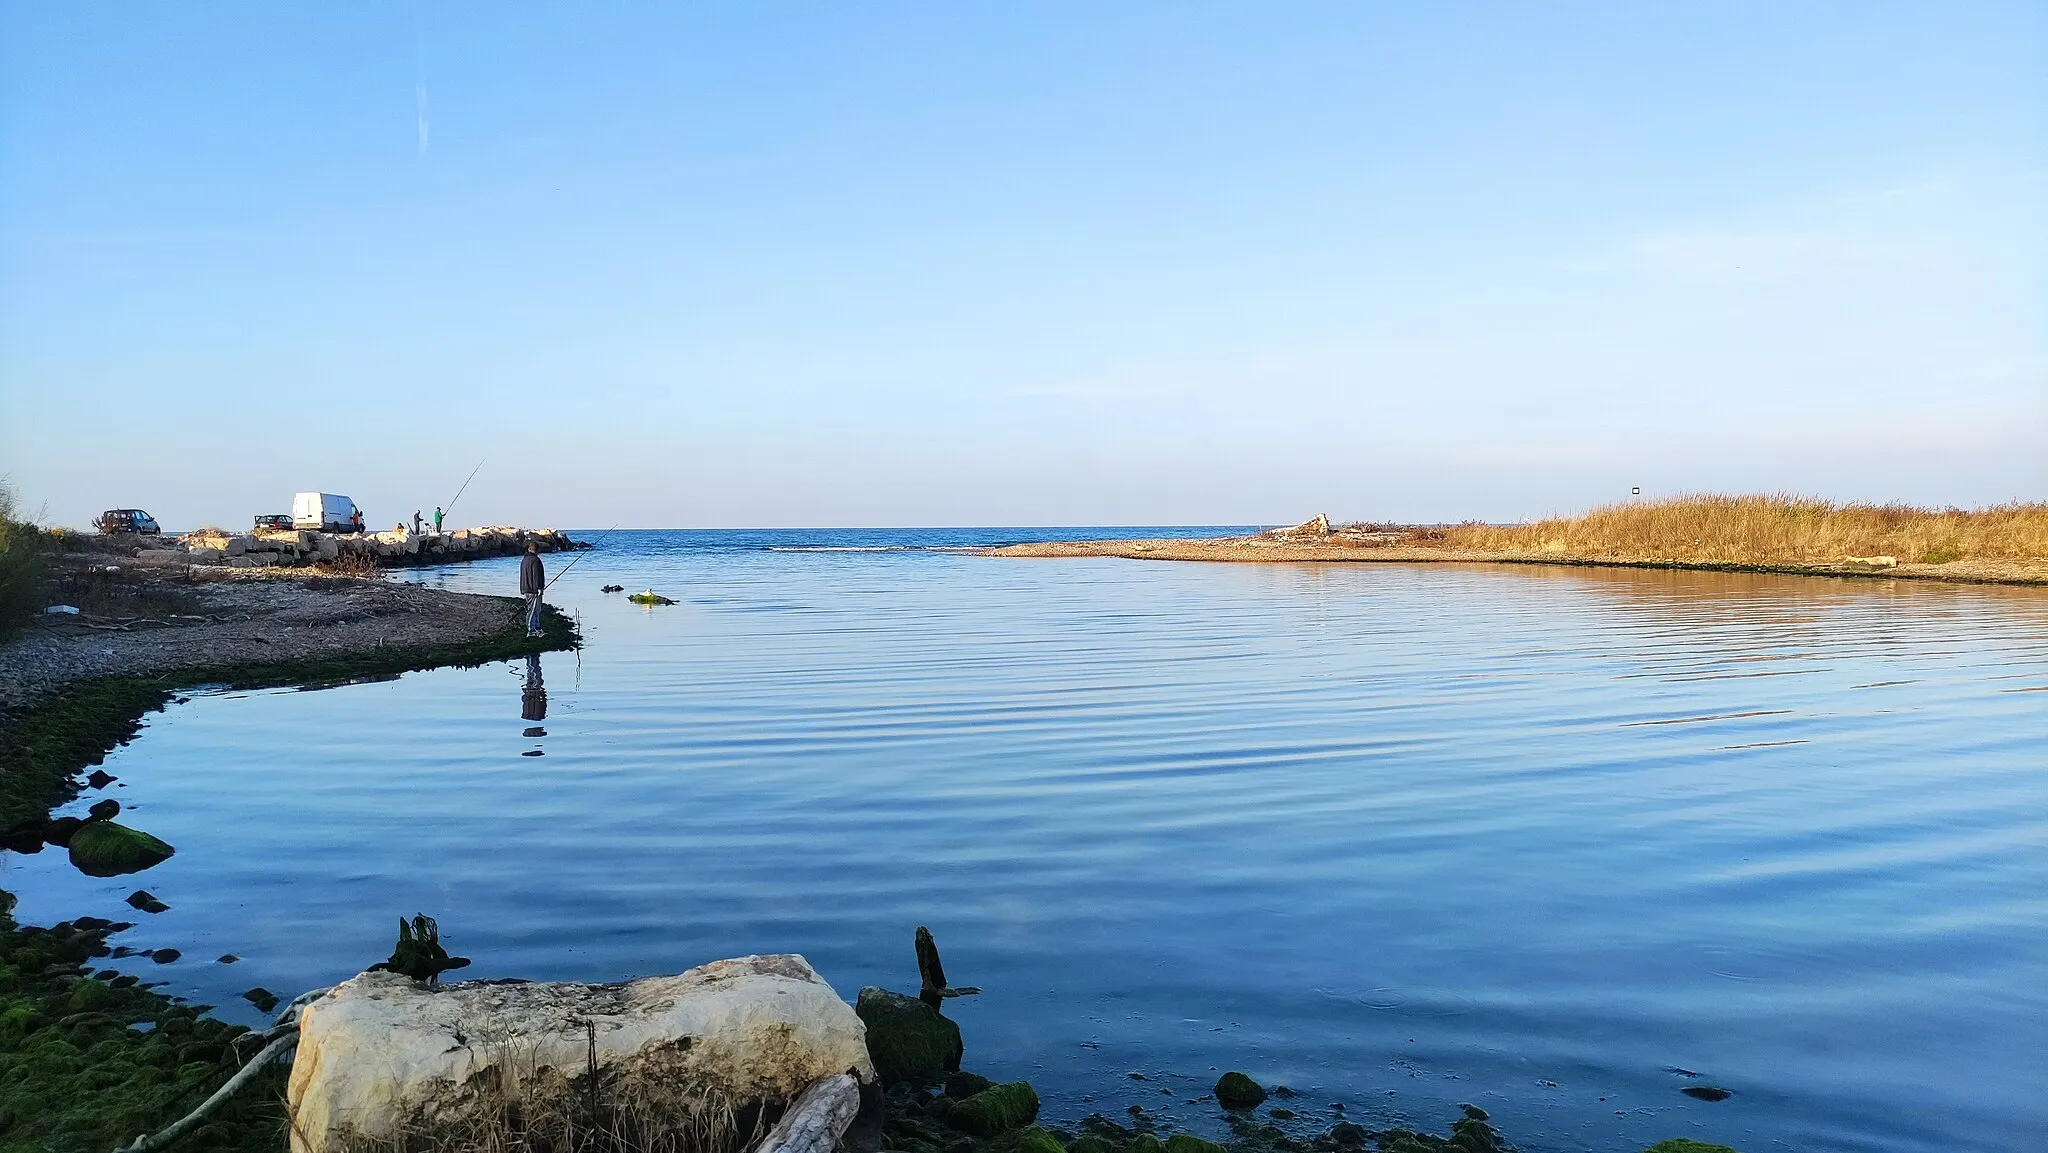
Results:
x,y
996,1109
1237,1091
110,849
58,830
966,1085
1686,1145
1029,1139
908,1040
75,1078
1187,1143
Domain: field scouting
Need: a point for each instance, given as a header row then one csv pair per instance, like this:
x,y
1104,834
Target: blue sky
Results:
x,y
1024,264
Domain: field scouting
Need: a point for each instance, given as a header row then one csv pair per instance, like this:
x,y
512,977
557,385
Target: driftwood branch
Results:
x,y
283,1036
150,1142
816,1119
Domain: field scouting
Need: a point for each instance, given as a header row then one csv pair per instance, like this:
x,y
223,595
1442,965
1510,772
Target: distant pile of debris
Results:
x,y
1317,530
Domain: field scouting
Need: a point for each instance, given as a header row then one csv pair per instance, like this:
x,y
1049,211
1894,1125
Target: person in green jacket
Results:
x,y
437,520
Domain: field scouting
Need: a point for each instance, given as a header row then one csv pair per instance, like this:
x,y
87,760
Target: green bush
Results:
x,y
24,567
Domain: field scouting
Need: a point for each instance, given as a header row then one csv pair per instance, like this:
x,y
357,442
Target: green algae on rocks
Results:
x,y
996,1109
87,1064
111,849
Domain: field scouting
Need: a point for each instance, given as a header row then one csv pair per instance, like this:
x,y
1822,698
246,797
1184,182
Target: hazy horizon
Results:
x,y
920,266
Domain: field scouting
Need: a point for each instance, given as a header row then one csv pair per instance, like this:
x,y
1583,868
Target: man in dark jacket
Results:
x,y
533,581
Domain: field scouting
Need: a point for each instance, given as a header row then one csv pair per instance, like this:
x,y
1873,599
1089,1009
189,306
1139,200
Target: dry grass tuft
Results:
x,y
647,1105
1778,528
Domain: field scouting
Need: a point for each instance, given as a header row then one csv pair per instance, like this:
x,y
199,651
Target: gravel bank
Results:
x,y
240,618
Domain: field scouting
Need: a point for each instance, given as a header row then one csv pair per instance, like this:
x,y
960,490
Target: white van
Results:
x,y
324,512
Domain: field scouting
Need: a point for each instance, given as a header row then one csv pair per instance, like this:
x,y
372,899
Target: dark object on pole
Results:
x,y
419,954
931,974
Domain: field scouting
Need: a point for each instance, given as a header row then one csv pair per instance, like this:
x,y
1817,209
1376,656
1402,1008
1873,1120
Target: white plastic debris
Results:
x,y
55,610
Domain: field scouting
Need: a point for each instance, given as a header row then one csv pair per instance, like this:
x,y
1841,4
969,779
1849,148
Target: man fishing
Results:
x,y
437,520
533,581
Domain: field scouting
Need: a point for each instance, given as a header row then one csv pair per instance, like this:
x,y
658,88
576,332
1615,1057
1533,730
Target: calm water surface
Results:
x,y
1395,836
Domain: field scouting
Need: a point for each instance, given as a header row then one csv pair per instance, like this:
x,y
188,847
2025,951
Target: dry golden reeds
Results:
x,y
1776,528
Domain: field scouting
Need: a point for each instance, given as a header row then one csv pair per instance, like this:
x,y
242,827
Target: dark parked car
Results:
x,y
118,520
274,520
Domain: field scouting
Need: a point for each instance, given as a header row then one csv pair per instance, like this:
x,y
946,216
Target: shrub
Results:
x,y
24,567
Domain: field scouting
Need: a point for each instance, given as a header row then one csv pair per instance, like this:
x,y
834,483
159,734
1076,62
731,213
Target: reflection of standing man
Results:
x,y
533,697
533,580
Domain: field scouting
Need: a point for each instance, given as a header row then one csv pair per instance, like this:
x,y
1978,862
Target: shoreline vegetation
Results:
x,y
1771,533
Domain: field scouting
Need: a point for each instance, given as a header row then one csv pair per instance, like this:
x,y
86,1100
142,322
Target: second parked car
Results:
x,y
119,520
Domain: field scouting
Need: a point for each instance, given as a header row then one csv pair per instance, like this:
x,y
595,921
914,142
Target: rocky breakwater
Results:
x,y
385,1061
398,547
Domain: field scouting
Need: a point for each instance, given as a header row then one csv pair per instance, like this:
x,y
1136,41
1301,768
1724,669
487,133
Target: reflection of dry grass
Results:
x,y
1774,529
648,1104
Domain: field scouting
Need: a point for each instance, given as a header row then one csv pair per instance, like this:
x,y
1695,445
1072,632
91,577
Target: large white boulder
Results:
x,y
382,1055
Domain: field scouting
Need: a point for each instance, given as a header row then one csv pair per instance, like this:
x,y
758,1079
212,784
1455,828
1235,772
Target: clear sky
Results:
x,y
1030,263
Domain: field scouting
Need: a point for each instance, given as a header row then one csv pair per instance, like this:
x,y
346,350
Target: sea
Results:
x,y
1556,842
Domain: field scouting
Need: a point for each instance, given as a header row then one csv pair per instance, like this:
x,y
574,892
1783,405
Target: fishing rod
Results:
x,y
578,560
465,488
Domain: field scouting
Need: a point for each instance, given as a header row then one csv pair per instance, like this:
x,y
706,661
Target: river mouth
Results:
x,y
1395,837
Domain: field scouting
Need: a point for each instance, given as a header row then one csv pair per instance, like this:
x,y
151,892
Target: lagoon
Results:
x,y
1556,842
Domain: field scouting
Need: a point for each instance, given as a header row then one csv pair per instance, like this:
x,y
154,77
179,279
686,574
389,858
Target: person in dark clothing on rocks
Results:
x,y
533,580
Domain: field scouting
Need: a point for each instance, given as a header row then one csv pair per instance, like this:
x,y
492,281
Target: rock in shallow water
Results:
x,y
1237,1091
58,830
146,901
909,1040
996,1109
961,1085
109,849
